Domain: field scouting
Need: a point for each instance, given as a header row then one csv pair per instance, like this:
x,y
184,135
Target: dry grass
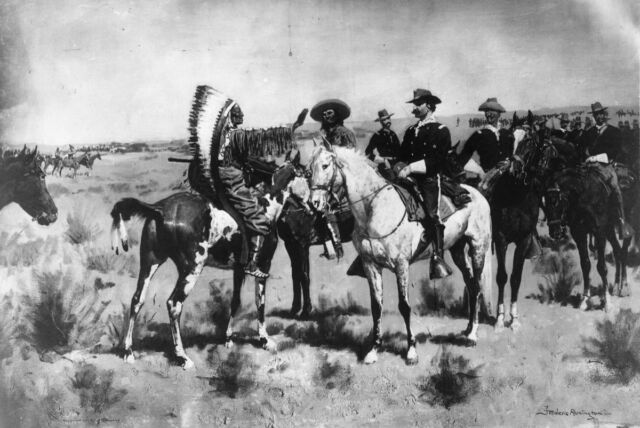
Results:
x,y
105,261
440,298
80,227
95,388
24,254
561,273
61,316
333,375
235,375
454,382
617,345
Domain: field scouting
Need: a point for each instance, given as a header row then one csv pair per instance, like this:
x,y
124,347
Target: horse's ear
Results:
x,y
327,145
23,152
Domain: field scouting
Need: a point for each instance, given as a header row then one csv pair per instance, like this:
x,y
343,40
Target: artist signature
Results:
x,y
590,414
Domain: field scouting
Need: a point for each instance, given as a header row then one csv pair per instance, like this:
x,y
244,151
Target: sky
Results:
x,y
122,70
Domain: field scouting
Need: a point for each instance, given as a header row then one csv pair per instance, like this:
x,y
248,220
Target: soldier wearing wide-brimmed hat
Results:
x,y
331,113
602,145
562,130
424,149
492,144
384,145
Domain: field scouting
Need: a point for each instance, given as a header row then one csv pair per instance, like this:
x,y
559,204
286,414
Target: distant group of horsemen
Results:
x,y
426,157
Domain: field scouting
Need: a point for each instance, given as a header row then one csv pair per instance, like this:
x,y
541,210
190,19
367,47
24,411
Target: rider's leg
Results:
x,y
430,191
624,230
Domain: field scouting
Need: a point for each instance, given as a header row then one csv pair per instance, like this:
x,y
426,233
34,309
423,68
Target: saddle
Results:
x,y
626,177
410,196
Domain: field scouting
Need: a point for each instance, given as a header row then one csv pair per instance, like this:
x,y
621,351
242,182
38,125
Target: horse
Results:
x,y
514,195
71,163
87,160
50,161
22,182
578,197
385,238
300,227
190,231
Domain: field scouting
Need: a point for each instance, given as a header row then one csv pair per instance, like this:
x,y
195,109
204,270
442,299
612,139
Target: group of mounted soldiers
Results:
x,y
425,156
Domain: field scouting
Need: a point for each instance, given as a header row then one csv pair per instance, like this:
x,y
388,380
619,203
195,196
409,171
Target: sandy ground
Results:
x,y
541,375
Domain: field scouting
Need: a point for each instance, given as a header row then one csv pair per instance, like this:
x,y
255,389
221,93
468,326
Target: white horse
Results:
x,y
385,238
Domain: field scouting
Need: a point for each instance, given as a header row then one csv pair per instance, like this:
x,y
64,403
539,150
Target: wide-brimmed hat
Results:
x,y
382,115
577,119
491,104
564,117
424,95
596,107
341,109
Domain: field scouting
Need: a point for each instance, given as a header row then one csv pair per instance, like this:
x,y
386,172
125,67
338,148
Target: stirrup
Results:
x,y
253,270
439,268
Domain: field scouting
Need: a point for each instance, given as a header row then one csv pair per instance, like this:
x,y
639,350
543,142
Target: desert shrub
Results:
x,y
285,345
440,299
95,189
453,382
561,274
330,306
95,388
274,327
7,327
116,325
119,187
80,227
56,190
235,376
14,253
106,261
60,316
333,375
332,331
617,345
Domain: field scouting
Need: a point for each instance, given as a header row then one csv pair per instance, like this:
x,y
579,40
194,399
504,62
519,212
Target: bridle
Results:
x,y
329,188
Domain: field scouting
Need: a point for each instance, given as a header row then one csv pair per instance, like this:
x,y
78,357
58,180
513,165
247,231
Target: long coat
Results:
x,y
490,148
431,143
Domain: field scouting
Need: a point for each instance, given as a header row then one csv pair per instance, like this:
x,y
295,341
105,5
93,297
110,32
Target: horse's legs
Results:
x,y
238,280
402,278
458,256
264,263
601,266
374,275
625,290
293,248
305,280
581,242
147,270
477,264
187,279
501,277
619,258
516,279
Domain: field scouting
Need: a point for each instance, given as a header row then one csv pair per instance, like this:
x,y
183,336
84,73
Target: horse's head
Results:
x,y
29,188
555,208
325,177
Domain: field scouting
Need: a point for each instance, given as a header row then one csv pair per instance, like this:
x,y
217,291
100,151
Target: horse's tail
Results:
x,y
122,211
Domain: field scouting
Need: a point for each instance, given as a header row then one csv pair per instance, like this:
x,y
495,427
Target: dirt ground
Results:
x,y
65,297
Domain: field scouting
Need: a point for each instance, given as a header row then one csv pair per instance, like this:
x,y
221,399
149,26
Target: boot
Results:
x,y
254,252
356,268
439,268
534,249
625,231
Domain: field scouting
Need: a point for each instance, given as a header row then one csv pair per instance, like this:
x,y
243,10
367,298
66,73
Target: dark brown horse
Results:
x,y
579,198
22,182
191,232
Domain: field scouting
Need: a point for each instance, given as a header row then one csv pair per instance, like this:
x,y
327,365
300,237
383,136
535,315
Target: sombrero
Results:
x,y
491,104
382,115
341,109
424,95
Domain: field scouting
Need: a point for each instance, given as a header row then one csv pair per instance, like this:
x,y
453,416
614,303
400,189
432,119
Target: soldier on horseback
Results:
x,y
491,143
600,147
424,149
331,113
384,146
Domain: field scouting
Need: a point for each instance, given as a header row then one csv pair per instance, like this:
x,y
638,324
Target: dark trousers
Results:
x,y
430,191
243,200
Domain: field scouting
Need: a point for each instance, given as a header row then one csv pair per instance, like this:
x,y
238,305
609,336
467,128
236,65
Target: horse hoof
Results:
x,y
128,357
624,291
305,315
584,304
268,344
515,325
412,356
186,363
228,344
499,326
294,311
371,357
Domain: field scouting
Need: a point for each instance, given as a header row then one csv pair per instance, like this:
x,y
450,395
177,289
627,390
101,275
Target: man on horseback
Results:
x,y
562,131
424,149
384,146
239,195
491,143
600,147
331,113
